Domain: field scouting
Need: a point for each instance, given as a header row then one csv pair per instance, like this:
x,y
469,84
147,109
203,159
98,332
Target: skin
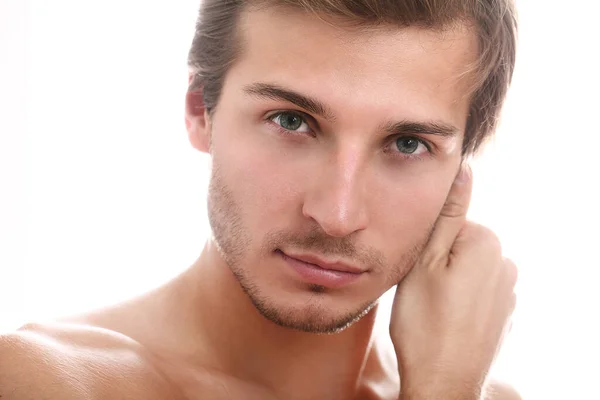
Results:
x,y
240,323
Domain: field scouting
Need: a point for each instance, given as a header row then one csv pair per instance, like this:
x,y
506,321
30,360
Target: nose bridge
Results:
x,y
337,198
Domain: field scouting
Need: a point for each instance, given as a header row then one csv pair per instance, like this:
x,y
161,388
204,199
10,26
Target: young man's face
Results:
x,y
356,175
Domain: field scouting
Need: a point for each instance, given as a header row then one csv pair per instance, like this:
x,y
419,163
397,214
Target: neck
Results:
x,y
233,337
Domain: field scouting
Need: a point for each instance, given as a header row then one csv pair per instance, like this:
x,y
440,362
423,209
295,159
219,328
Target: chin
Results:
x,y
292,303
317,312
332,325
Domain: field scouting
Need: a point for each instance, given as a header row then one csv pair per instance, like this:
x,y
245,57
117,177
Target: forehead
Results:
x,y
405,72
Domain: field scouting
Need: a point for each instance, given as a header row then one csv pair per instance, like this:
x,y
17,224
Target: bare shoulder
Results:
x,y
497,390
69,361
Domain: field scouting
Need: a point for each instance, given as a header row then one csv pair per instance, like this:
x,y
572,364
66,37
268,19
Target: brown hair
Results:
x,y
216,44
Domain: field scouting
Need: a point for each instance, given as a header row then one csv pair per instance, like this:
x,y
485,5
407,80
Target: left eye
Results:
x,y
290,121
410,145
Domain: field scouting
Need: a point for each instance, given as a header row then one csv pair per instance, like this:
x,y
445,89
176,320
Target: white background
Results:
x,y
101,196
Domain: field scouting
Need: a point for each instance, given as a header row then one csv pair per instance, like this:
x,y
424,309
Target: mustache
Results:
x,y
316,241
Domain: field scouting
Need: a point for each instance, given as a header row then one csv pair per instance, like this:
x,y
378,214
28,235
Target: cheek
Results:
x,y
404,216
266,184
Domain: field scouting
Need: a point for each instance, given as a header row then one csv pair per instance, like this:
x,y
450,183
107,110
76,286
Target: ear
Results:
x,y
197,121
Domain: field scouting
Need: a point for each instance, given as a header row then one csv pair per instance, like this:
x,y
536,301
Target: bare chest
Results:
x,y
203,384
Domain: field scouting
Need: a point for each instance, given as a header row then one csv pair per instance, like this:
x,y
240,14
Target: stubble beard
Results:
x,y
233,242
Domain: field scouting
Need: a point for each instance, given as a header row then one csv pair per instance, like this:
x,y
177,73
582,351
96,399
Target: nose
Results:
x,y
337,199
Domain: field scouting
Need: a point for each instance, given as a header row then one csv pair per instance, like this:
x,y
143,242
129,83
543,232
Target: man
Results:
x,y
337,131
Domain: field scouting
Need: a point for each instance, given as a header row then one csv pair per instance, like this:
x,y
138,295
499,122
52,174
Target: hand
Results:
x,y
450,312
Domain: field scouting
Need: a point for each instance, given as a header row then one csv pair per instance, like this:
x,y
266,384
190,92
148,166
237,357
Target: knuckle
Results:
x,y
513,302
490,240
512,272
470,228
432,258
483,237
453,209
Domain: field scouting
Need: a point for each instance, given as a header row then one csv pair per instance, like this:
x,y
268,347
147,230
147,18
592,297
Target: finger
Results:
x,y
453,215
505,332
511,272
512,303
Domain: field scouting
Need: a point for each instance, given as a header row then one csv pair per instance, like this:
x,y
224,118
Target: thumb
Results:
x,y
453,215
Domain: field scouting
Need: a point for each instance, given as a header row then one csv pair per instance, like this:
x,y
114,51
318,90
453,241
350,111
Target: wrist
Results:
x,y
436,387
448,393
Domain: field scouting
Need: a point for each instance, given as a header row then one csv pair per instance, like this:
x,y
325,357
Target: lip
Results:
x,y
320,274
328,265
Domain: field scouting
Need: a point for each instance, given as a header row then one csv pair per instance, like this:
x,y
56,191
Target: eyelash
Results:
x,y
308,119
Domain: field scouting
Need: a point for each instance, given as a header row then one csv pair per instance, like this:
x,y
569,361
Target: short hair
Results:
x,y
216,44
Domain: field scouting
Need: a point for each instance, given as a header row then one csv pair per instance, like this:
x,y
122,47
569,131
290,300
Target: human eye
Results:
x,y
290,122
410,147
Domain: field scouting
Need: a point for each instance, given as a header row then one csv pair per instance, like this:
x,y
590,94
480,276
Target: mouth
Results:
x,y
317,271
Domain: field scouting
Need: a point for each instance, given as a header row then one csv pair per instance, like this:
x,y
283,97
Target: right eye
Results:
x,y
291,122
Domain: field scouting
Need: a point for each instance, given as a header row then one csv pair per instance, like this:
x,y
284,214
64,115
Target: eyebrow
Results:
x,y
314,106
421,128
275,92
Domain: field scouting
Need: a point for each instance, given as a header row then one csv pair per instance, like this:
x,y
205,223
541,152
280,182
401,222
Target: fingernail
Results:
x,y
464,175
